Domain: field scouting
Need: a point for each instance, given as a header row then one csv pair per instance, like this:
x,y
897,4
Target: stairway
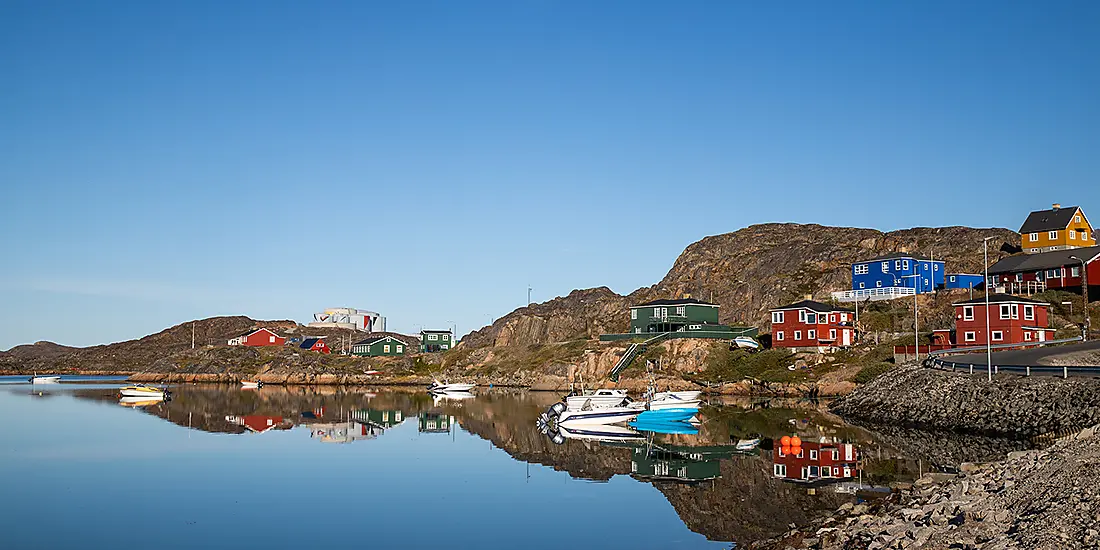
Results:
x,y
632,353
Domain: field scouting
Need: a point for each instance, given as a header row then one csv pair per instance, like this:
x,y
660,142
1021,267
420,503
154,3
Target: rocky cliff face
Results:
x,y
746,272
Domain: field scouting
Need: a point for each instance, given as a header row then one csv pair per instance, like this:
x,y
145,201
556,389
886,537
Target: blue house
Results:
x,y
963,280
898,270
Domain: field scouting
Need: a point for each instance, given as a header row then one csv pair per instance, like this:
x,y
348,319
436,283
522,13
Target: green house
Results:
x,y
672,315
434,423
378,346
432,341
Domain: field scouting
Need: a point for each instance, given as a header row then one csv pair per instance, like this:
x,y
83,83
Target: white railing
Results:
x,y
873,294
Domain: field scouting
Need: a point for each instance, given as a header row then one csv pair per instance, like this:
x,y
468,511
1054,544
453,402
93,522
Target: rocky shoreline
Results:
x,y
1033,499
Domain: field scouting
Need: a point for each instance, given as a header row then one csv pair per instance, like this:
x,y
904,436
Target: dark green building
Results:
x,y
672,315
432,341
378,346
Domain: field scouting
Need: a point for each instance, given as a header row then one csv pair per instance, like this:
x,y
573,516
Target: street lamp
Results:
x,y
988,342
1085,295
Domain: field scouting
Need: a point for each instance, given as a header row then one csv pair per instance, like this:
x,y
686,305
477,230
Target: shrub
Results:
x,y
870,372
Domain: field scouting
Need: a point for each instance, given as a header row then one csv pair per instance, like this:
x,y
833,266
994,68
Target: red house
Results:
x,y
315,344
812,325
1012,320
1060,269
259,337
815,462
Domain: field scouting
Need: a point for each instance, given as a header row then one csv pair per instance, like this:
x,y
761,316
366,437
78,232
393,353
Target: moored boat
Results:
x,y
437,386
597,415
251,385
47,379
667,415
141,390
597,399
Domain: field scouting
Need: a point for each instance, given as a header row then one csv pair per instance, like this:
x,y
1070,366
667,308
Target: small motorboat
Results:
x,y
141,390
597,399
48,379
686,395
437,386
598,415
747,444
250,385
665,401
667,415
747,343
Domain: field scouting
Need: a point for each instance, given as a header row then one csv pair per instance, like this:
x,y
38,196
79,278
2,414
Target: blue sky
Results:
x,y
164,161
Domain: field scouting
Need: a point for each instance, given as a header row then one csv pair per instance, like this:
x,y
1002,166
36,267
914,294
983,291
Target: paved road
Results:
x,y
1023,357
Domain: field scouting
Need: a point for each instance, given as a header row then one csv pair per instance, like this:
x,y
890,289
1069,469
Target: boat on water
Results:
x,y
597,415
667,415
597,399
138,401
437,386
141,390
250,385
45,379
665,401
686,395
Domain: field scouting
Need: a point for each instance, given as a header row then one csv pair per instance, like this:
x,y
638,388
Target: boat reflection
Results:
x,y
138,401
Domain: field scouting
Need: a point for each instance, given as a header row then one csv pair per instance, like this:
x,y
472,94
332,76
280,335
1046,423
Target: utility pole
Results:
x,y
192,335
1085,295
988,343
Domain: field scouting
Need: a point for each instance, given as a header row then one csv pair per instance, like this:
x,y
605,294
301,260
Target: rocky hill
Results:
x,y
746,272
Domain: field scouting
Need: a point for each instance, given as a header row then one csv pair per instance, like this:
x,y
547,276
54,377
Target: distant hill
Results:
x,y
746,272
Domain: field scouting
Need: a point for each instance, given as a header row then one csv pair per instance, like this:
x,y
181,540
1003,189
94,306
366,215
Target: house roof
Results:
x,y
309,342
435,332
898,256
999,299
376,339
812,305
677,302
1044,260
1048,220
254,331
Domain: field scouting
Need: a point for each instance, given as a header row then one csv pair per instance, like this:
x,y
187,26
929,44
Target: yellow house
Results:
x,y
1056,229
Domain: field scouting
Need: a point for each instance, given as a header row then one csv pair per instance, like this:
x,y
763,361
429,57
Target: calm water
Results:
x,y
218,466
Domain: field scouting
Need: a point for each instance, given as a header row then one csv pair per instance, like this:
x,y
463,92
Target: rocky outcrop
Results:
x,y
1033,499
1009,406
746,272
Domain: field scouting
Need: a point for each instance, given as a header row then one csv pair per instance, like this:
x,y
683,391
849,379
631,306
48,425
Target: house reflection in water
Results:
x,y
815,463
343,432
384,419
679,463
434,423
255,422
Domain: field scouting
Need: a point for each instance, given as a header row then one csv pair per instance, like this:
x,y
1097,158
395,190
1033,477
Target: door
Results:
x,y
1042,335
847,338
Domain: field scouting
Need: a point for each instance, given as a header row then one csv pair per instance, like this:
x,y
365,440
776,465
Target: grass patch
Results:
x,y
870,372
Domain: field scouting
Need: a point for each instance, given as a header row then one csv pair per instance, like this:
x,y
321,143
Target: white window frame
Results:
x,y
656,312
777,317
832,318
798,335
442,346
843,317
970,336
836,454
832,334
1033,237
878,284
779,336
1074,272
1029,313
1006,311
968,313
1052,235
998,336
1077,219
813,454
681,310
1027,335
861,285
779,470
271,339
444,336
400,348
1073,235
385,348
811,334
633,315
862,269
897,264
811,318
885,267
433,337
905,264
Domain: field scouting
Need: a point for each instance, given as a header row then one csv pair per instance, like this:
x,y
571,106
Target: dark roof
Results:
x,y
1048,220
679,302
308,343
1021,263
999,299
898,256
812,305
376,339
436,331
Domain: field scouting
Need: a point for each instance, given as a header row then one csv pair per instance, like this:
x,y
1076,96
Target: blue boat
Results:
x,y
667,415
665,427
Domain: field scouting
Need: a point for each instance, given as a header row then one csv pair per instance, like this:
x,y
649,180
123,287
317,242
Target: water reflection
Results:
x,y
729,478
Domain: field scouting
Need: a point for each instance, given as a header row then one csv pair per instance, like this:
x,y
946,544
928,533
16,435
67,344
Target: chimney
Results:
x,y
1057,206
809,296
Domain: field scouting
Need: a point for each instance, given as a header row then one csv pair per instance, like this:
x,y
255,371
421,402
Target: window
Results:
x,y
905,264
777,316
952,278
1027,336
798,335
836,469
1029,312
400,348
1019,277
1077,219
1015,311
969,337
801,316
637,330
801,452
811,335
386,348
968,313
832,318
681,310
811,318
843,317
1074,272
433,337
1052,235
813,454
832,334
1006,311
633,315
885,267
862,269
878,284
935,267
1073,235
656,312
271,340
779,336
443,346
998,336
1033,237
861,285
897,264
445,337
780,470
836,455
1052,274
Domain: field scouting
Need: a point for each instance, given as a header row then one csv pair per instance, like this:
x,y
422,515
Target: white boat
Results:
x,y
45,379
596,415
249,385
746,343
666,402
438,386
141,390
600,432
440,396
686,395
747,444
597,399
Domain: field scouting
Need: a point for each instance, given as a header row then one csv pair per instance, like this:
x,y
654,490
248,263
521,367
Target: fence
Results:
x,y
937,360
